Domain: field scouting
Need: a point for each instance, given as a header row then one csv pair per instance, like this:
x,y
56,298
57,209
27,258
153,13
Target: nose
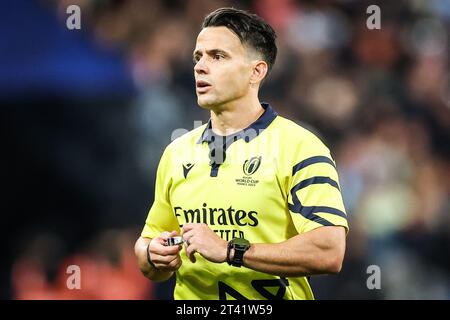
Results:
x,y
201,67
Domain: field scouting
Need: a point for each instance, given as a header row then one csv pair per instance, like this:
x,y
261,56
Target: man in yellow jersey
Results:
x,y
254,196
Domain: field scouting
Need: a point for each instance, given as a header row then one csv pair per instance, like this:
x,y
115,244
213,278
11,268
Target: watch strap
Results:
x,y
239,251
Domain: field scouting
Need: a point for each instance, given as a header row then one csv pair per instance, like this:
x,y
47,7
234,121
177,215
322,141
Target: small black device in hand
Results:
x,y
174,241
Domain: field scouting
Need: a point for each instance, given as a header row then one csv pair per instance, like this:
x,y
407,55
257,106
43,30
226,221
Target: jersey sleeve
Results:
x,y
161,217
314,192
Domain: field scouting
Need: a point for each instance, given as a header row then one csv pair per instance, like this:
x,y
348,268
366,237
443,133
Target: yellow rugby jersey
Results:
x,y
274,181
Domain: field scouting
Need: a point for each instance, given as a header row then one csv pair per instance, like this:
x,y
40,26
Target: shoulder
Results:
x,y
180,148
299,147
186,141
297,138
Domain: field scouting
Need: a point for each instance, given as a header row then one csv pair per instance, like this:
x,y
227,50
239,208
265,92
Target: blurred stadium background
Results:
x,y
86,114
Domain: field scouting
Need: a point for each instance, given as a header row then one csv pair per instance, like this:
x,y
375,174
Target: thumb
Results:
x,y
173,233
165,235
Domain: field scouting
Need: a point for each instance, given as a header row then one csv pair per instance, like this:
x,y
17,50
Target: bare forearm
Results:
x,y
302,255
148,270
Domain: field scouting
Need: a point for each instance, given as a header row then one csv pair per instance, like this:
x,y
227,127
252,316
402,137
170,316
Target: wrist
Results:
x,y
226,251
149,258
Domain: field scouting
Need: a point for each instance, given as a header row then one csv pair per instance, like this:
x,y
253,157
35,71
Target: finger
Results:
x,y
173,261
157,242
178,265
165,250
159,260
165,260
190,252
162,238
191,256
172,250
158,246
175,264
188,235
164,235
187,227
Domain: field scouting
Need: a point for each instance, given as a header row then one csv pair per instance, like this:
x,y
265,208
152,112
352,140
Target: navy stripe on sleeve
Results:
x,y
314,180
307,162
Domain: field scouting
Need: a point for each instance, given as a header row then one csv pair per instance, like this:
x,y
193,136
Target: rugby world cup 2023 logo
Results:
x,y
251,165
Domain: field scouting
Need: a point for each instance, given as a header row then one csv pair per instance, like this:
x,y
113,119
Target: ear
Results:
x,y
259,72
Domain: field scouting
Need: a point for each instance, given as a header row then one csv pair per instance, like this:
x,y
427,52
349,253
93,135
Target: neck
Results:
x,y
235,116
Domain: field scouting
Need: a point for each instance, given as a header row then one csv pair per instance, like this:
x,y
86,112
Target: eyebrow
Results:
x,y
211,52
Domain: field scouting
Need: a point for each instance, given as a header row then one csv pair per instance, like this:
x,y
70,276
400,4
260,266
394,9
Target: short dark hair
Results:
x,y
251,29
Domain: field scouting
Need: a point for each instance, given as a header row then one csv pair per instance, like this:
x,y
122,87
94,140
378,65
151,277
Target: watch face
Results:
x,y
241,242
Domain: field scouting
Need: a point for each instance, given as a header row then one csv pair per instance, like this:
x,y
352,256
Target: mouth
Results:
x,y
202,86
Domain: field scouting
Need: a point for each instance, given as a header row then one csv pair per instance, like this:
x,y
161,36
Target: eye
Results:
x,y
217,56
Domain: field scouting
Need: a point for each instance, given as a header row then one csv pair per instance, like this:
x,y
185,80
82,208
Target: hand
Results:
x,y
200,238
165,258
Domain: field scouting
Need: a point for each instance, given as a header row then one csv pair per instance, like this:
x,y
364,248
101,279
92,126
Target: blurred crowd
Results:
x,y
380,99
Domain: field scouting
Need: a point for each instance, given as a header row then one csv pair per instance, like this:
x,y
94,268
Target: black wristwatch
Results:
x,y
240,245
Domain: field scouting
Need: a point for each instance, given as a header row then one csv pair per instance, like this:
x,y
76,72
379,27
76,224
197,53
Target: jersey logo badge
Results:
x,y
249,168
187,168
251,165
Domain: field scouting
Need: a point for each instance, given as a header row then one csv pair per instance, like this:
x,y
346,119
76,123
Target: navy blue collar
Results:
x,y
248,133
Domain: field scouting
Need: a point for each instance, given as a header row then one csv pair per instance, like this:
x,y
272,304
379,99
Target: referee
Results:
x,y
254,197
